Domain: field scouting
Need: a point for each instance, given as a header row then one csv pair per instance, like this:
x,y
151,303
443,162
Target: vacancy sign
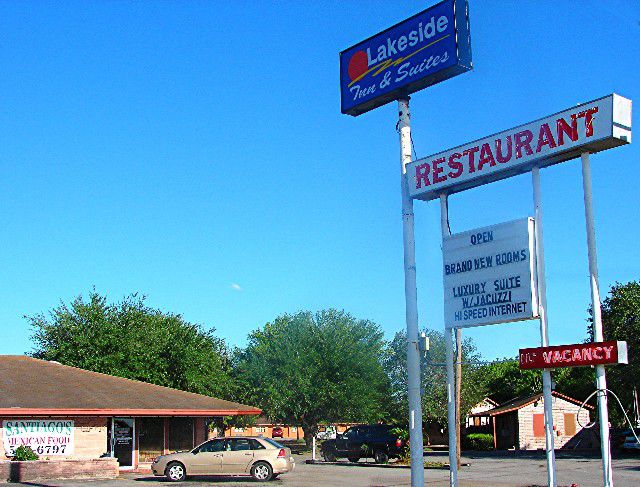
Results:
x,y
590,127
583,354
489,275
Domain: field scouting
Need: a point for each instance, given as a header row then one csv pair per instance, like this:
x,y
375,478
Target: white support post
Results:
x,y
313,454
544,329
451,395
411,302
598,336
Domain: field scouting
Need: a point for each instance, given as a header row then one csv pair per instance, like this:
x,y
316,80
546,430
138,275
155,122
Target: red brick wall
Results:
x,y
102,468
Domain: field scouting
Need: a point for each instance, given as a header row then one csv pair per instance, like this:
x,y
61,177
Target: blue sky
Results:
x,y
195,152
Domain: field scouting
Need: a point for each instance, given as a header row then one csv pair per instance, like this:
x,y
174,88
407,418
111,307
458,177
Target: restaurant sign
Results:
x,y
421,51
582,354
489,275
45,437
591,127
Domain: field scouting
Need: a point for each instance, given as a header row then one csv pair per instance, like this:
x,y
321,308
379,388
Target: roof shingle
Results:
x,y
30,386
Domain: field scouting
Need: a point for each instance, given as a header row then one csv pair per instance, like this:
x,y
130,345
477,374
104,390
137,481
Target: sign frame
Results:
x,y
461,44
461,167
526,268
47,437
574,355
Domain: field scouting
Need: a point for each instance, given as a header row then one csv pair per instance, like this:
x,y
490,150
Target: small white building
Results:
x,y
476,421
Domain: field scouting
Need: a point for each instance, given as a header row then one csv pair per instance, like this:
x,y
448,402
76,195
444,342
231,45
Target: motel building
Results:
x,y
64,412
518,424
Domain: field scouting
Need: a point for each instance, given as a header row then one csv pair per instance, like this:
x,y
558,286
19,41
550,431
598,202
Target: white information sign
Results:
x,y
489,275
590,127
45,437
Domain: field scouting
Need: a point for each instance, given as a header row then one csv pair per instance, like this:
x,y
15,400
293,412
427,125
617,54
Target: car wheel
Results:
x,y
353,459
175,472
262,471
380,457
328,456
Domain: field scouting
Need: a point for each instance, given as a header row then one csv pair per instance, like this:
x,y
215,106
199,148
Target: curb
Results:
x,y
379,465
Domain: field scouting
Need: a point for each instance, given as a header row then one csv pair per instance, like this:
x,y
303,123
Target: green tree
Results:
x,y
621,321
433,378
129,339
307,368
504,380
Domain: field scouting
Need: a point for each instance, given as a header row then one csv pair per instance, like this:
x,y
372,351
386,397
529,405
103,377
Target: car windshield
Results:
x,y
272,442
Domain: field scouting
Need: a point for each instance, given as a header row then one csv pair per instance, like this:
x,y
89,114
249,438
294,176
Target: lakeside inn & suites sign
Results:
x,y
489,275
423,50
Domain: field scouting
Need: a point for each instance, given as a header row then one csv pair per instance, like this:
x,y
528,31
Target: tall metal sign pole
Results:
x,y
432,46
544,328
598,336
448,340
595,126
411,302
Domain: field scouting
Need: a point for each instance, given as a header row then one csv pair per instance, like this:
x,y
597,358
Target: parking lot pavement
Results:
x,y
489,470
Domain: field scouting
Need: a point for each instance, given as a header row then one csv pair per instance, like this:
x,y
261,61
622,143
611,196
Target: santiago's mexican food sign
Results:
x,y
423,50
45,437
590,127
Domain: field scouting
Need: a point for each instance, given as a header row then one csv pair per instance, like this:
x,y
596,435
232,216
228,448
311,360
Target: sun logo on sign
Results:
x,y
358,65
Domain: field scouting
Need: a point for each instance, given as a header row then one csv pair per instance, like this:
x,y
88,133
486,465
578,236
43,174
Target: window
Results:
x,y
256,445
294,429
273,442
212,446
569,424
538,425
240,444
261,429
180,434
150,437
238,430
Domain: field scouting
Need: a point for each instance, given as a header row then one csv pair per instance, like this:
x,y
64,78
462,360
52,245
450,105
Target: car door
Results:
x,y
207,458
237,456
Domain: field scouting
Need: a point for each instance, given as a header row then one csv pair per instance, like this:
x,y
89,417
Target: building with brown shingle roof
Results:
x,y
67,412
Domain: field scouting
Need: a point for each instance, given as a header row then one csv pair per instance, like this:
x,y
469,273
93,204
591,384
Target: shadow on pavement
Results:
x,y
218,479
375,465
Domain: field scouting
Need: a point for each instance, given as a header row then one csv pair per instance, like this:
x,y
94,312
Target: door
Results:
x,y
123,430
207,459
237,455
348,443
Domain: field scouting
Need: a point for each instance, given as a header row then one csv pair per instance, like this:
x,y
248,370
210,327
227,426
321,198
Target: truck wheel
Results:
x,y
328,456
380,457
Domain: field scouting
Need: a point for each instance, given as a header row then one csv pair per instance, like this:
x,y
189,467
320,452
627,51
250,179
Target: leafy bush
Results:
x,y
478,441
405,454
24,453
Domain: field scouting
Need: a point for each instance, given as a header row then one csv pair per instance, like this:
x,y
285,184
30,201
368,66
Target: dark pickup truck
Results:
x,y
364,441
